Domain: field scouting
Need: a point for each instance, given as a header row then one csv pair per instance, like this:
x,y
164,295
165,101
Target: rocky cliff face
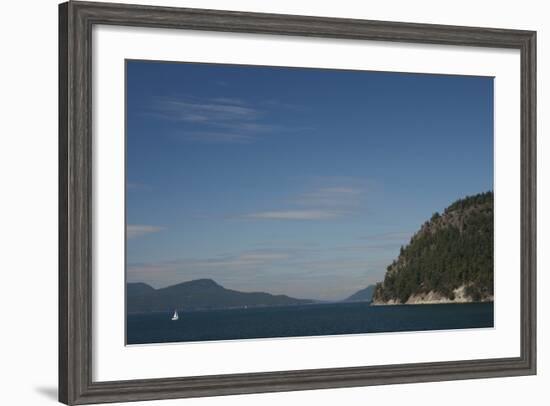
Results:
x,y
449,260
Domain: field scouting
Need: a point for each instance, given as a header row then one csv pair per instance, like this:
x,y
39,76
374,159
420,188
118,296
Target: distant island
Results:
x,y
363,295
200,294
449,260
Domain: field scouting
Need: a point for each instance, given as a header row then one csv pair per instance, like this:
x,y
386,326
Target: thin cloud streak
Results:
x,y
293,215
389,236
323,203
222,120
139,230
228,100
335,196
217,137
218,113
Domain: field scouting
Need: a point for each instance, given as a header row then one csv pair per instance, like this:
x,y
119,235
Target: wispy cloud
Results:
x,y
228,100
225,266
214,120
214,111
138,230
334,196
241,260
388,236
293,215
209,137
324,202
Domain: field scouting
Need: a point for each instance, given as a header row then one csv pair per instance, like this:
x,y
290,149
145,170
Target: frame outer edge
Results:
x,y
293,25
80,178
64,367
529,194
533,236
75,226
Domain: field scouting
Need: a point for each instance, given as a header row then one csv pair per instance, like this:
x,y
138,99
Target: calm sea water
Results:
x,y
304,320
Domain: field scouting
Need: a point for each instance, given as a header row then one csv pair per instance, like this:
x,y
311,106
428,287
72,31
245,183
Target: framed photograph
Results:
x,y
257,202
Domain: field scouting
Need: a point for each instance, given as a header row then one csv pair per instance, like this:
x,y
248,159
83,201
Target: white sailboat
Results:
x,y
175,316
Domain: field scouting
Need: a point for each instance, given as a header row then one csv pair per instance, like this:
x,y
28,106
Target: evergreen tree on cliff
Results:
x,y
451,255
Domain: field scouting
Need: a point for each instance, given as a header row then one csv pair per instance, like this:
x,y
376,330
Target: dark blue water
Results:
x,y
304,320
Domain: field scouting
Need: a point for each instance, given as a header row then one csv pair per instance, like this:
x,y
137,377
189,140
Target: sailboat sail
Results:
x,y
175,316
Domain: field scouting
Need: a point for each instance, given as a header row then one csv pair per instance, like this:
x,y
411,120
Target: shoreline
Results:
x,y
431,302
432,297
369,303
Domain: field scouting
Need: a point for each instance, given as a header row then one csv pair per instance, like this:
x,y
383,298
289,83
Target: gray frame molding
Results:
x,y
75,171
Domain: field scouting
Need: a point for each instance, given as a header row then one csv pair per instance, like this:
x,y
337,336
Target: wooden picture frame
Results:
x,y
76,20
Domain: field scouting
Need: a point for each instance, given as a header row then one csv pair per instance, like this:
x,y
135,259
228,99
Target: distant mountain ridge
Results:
x,y
199,294
363,295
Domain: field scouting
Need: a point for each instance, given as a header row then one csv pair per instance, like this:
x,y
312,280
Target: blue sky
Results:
x,y
293,181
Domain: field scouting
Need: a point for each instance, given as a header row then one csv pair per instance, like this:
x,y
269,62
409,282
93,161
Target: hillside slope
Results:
x,y
198,294
363,295
450,259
